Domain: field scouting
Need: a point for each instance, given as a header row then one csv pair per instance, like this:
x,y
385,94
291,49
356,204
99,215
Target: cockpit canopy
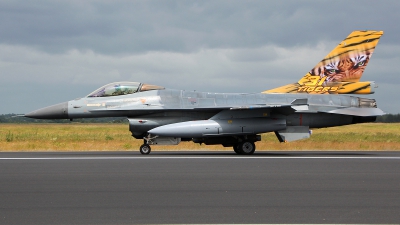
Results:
x,y
123,88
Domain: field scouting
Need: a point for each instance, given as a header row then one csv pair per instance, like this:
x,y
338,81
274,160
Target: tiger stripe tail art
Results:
x,y
340,71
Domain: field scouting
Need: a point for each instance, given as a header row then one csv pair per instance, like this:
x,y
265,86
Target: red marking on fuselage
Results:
x,y
301,119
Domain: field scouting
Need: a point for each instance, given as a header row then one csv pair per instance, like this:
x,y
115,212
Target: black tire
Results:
x,y
246,147
145,149
236,149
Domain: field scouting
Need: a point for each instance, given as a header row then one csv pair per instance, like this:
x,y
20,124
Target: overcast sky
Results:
x,y
55,51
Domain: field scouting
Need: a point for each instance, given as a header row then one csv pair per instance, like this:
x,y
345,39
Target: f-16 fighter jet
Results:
x,y
162,116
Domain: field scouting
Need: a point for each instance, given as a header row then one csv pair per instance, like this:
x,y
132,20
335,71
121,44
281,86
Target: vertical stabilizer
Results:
x,y
340,71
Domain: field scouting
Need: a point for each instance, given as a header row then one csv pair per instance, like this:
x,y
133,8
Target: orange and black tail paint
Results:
x,y
340,71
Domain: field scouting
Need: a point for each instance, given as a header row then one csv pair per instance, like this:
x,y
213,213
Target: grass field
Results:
x,y
110,137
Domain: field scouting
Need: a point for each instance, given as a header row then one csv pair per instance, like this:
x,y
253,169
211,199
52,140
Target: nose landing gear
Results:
x,y
145,149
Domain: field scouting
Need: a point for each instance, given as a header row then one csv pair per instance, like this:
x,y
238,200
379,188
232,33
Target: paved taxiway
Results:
x,y
199,187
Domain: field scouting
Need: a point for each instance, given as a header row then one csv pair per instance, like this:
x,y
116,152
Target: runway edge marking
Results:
x,y
201,157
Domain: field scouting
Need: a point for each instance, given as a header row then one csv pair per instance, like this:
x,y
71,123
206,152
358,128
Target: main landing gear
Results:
x,y
244,148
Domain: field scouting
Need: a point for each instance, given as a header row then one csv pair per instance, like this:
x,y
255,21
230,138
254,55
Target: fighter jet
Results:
x,y
162,116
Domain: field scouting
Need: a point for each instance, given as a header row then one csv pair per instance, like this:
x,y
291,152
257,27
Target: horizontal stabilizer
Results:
x,y
357,111
293,133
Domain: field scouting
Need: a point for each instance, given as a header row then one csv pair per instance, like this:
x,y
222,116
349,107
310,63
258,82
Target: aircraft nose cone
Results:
x,y
58,111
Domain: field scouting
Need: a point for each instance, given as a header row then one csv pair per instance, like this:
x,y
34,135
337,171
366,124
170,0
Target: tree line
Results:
x,y
13,118
388,118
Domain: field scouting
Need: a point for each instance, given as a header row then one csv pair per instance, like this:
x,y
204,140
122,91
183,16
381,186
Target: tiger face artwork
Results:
x,y
340,71
345,69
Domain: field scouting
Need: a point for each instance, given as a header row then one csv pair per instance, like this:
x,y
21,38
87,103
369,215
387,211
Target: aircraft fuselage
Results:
x,y
150,109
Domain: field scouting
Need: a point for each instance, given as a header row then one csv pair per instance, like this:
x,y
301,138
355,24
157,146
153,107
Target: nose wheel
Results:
x,y
145,149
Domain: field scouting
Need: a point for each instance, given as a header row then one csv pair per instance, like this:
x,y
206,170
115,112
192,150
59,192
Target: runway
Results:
x,y
199,187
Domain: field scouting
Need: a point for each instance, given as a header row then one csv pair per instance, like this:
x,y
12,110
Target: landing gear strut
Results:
x,y
145,148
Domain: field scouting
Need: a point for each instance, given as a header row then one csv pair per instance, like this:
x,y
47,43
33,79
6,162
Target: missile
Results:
x,y
203,128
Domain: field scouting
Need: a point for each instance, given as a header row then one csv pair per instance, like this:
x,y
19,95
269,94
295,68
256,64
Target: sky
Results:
x,y
55,51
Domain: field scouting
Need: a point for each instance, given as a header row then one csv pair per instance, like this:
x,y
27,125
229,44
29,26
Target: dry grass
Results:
x,y
102,137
